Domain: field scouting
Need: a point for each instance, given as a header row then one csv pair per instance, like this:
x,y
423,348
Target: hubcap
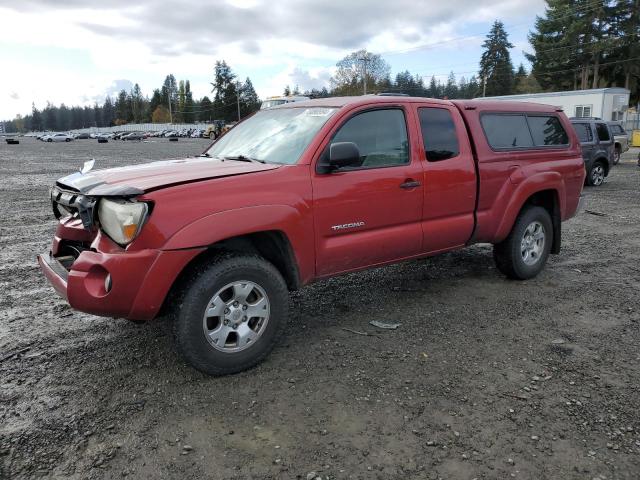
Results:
x,y
236,316
597,175
532,244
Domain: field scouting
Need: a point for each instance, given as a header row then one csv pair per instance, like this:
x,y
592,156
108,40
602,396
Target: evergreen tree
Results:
x,y
473,88
249,101
123,108
451,88
137,104
36,119
225,92
205,112
155,102
287,91
108,112
433,88
50,118
496,69
188,106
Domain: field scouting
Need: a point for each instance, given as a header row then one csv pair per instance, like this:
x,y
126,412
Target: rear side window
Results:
x,y
438,134
617,129
547,131
603,132
506,131
584,132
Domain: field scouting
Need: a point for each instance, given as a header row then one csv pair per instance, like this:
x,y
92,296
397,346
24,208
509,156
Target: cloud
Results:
x,y
310,79
194,26
14,96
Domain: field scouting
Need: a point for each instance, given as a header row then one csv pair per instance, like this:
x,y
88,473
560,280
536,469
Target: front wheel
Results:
x,y
523,254
232,314
595,176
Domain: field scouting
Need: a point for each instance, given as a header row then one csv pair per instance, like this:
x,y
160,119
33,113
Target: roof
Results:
x,y
339,102
505,106
612,90
487,104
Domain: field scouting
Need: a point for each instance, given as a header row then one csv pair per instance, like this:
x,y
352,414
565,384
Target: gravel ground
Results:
x,y
486,378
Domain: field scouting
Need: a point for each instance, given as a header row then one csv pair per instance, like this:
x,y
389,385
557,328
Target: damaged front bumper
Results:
x,y
106,280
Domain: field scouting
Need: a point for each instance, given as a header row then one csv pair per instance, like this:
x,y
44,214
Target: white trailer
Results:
x,y
605,103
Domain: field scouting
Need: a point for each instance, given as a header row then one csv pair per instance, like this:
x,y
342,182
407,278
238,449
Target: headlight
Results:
x,y
121,219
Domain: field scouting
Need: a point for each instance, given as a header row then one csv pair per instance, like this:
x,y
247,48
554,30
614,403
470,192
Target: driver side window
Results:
x,y
381,137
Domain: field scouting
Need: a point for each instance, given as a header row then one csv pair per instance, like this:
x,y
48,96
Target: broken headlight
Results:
x,y
122,220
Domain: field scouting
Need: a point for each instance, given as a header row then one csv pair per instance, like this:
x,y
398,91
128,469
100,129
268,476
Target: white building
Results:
x,y
604,103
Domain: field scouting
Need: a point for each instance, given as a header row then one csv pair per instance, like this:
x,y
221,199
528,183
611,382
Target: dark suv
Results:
x,y
597,148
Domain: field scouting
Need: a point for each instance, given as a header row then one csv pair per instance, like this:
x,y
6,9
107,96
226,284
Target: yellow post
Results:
x,y
635,138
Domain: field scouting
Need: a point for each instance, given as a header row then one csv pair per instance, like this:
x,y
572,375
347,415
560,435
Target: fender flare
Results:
x,y
293,223
529,187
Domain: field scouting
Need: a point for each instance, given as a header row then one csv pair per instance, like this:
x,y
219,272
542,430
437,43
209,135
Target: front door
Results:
x,y
370,213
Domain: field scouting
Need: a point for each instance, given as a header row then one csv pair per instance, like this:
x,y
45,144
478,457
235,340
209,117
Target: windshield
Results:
x,y
273,136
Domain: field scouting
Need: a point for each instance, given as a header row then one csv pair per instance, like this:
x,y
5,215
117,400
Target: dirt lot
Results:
x,y
486,378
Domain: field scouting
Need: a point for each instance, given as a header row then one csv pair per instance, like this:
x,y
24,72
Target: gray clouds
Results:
x,y
201,27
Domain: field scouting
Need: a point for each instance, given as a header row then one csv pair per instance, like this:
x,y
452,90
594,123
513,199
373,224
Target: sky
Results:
x,y
76,52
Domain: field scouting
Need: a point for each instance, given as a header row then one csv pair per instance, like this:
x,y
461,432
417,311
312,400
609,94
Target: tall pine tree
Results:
x,y
496,69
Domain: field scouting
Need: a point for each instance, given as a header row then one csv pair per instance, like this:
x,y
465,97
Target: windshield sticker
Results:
x,y
317,112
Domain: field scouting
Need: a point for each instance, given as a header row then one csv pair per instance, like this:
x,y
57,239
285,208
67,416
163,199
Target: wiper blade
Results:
x,y
244,158
205,154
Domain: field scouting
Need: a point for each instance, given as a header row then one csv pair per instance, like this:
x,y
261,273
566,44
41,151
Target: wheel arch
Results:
x,y
272,245
548,195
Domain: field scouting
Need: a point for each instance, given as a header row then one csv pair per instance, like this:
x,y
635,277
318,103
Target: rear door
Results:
x,y
605,140
449,178
587,139
371,213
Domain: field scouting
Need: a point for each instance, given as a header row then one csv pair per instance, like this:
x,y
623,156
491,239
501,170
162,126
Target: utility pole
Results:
x,y
170,114
238,97
484,86
364,60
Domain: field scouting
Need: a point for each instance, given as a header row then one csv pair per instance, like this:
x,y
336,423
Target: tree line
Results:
x,y
173,102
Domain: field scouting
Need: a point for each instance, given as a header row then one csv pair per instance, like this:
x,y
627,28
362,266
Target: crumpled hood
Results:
x,y
137,179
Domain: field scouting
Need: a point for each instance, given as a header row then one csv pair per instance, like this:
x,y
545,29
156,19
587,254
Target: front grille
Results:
x,y
65,203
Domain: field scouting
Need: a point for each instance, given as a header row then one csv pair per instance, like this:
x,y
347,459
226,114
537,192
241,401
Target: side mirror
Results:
x,y
344,154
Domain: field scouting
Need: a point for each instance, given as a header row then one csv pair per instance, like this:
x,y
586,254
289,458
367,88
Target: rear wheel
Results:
x,y
523,254
616,155
231,314
595,176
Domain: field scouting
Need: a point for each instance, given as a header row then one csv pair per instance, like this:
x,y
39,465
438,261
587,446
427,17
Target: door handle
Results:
x,y
409,184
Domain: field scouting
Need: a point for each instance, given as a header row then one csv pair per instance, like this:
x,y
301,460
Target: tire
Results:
x,y
207,342
595,175
616,155
67,140
513,258
49,140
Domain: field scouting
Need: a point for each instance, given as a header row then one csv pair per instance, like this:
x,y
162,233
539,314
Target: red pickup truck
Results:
x,y
303,192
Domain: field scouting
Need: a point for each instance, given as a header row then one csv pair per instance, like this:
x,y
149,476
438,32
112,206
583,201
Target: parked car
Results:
x,y
620,140
597,148
305,192
133,136
82,136
58,137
